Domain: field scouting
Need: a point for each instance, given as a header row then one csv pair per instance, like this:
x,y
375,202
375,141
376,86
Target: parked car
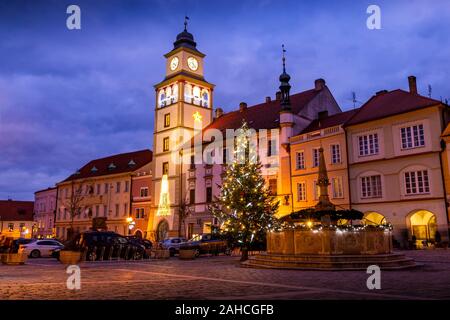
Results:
x,y
145,242
173,244
105,244
207,243
11,245
41,248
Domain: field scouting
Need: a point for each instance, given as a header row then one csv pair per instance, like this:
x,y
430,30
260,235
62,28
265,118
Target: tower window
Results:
x,y
166,144
165,168
167,120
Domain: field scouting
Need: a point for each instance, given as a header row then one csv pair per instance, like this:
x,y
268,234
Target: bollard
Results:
x,y
102,253
110,252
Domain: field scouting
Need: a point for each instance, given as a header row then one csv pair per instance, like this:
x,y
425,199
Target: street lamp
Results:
x,y
131,224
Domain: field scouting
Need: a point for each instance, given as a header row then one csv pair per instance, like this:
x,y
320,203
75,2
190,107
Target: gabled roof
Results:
x,y
330,121
16,210
389,104
119,163
262,116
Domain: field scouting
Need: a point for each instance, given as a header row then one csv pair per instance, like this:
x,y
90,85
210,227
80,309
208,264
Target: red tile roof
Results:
x,y
330,121
16,210
262,116
120,161
389,104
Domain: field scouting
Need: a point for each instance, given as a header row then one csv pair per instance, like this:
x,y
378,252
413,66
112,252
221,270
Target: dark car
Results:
x,y
105,245
144,242
207,243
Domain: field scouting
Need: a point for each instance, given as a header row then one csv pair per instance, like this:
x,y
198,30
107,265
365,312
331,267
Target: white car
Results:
x,y
41,248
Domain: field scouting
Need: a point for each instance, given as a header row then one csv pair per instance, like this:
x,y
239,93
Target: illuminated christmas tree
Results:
x,y
245,206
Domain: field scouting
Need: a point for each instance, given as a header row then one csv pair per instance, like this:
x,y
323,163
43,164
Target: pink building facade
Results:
x,y
44,213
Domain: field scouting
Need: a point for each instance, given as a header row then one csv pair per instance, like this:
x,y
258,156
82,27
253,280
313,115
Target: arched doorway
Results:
x,y
374,218
138,234
423,225
162,230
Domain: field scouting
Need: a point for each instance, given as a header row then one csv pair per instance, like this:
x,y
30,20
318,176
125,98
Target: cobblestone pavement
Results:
x,y
222,278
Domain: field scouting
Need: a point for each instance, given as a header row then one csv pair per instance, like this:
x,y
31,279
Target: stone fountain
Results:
x,y
326,241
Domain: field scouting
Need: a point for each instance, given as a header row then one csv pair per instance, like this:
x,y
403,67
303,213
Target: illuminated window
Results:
x,y
316,191
166,144
165,168
167,120
336,186
10,227
144,192
273,186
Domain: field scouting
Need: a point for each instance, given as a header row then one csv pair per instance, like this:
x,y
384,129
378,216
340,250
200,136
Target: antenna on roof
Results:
x,y
429,90
354,99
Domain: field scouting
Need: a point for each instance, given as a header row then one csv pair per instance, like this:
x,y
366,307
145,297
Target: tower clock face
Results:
x,y
192,63
174,63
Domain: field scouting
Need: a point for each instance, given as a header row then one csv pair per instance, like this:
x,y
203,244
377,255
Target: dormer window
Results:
x,y
94,169
77,172
131,163
111,166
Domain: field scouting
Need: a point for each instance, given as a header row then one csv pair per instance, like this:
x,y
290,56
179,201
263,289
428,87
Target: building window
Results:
x,y
10,227
166,144
273,186
144,192
192,196
106,188
371,187
167,120
416,182
105,211
335,153
208,194
368,144
125,209
118,187
271,148
315,157
336,186
316,191
413,136
301,191
98,188
165,168
117,209
127,186
97,211
140,213
300,160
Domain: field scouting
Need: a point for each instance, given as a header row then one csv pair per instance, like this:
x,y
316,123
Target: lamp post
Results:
x,y
131,224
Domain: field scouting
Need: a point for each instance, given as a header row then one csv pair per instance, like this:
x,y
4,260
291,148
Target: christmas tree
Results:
x,y
245,207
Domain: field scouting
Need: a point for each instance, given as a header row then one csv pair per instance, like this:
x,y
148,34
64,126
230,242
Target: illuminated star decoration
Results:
x,y
197,116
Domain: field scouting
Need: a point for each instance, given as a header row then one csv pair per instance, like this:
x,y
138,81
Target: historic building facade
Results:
x,y
16,219
101,192
45,212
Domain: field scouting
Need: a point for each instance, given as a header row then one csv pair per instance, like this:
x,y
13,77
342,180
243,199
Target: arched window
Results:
x,y
188,93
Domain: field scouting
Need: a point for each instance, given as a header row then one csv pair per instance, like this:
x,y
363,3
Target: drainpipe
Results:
x,y
348,171
441,153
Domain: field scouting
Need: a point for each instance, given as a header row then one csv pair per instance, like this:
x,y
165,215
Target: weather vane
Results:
x,y
186,18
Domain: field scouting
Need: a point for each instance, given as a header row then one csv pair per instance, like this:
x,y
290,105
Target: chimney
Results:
x,y
278,95
322,115
242,106
319,84
268,99
412,84
219,112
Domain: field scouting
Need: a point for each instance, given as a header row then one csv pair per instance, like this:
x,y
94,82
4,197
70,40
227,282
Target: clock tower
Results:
x,y
184,101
